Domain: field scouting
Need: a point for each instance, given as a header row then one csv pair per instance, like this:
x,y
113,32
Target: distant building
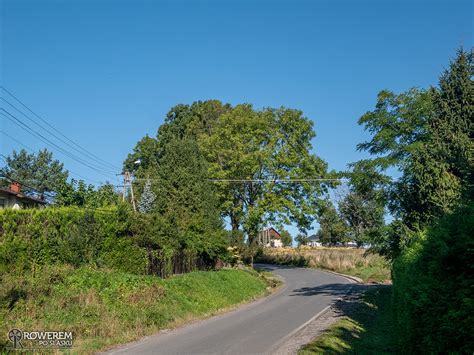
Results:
x,y
269,238
314,241
13,198
351,244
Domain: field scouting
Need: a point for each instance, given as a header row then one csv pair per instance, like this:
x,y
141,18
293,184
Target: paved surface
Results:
x,y
258,328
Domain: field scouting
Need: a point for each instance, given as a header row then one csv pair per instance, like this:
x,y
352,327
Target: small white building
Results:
x,y
13,198
314,241
269,238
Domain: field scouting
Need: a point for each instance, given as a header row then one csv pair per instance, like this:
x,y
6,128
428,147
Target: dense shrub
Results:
x,y
114,238
434,288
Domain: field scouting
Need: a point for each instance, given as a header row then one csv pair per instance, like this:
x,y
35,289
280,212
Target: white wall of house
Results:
x,y
276,243
13,202
9,201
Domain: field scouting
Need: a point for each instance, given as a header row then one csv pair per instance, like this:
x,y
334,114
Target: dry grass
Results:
x,y
350,261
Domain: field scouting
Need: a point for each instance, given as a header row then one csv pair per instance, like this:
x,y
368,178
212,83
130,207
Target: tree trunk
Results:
x,y
234,222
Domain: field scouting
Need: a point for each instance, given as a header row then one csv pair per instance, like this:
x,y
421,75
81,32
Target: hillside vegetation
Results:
x,y
433,287
94,272
105,307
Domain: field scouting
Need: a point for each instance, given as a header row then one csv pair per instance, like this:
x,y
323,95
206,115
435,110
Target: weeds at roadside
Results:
x,y
104,307
366,326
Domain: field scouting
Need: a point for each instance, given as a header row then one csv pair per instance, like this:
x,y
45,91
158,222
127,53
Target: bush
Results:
x,y
434,288
66,235
113,238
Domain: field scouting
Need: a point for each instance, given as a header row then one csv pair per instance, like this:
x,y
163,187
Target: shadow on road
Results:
x,y
329,289
272,267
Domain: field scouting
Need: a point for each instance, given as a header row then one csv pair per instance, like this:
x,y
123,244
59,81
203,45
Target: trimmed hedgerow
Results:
x,y
36,237
114,238
434,288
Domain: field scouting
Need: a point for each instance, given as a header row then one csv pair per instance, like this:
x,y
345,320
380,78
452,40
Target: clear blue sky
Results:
x,y
106,72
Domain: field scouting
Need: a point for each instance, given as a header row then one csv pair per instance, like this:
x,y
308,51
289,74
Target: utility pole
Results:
x,y
127,181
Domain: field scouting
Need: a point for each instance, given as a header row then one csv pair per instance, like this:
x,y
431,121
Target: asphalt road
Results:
x,y
257,328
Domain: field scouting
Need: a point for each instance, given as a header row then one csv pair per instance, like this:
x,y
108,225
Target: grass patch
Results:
x,y
367,327
349,261
104,307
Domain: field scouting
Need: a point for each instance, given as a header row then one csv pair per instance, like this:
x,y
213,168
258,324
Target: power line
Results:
x,y
54,135
72,144
47,141
32,150
47,194
259,180
16,140
18,119
275,180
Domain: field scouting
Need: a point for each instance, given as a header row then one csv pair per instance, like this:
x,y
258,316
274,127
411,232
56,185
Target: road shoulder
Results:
x,y
176,328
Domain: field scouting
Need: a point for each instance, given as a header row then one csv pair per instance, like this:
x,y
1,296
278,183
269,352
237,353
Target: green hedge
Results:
x,y
114,238
434,288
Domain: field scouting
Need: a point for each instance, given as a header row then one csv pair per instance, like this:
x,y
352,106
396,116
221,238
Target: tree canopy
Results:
x,y
254,149
39,172
426,135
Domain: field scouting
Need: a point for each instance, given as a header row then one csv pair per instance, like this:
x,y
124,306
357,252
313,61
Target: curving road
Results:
x,y
257,328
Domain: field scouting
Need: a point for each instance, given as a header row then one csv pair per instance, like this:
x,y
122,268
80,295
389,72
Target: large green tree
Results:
x,y
241,143
333,229
144,155
182,122
425,138
399,126
433,298
258,148
364,217
452,126
184,195
286,238
40,172
363,206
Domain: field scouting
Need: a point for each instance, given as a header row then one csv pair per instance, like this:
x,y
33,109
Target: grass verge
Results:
x,y
349,261
366,327
104,307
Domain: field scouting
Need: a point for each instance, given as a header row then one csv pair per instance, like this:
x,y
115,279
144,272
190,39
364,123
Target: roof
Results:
x,y
314,238
275,232
22,196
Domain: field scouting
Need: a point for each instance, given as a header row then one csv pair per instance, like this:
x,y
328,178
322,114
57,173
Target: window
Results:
x,y
2,203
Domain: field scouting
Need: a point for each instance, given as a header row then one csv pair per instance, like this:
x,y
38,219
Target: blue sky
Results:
x,y
106,72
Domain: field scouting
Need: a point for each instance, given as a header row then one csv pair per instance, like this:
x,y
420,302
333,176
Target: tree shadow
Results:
x,y
364,325
335,289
